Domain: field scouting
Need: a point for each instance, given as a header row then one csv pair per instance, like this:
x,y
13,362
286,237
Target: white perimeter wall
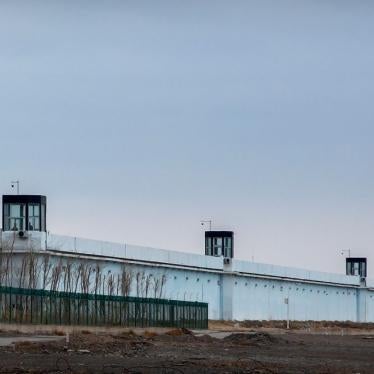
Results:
x,y
264,299
241,290
366,305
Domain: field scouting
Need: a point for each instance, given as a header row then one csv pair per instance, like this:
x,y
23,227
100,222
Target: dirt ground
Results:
x,y
181,351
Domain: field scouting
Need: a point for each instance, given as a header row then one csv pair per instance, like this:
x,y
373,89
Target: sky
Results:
x,y
138,119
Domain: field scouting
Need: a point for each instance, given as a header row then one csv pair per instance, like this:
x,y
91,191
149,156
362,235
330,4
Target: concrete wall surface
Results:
x,y
32,240
131,252
281,300
370,283
366,305
288,272
236,291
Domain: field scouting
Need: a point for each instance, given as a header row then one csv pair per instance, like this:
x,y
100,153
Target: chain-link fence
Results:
x,y
19,305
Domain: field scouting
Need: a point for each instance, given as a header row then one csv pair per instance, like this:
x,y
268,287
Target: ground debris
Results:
x,y
179,332
300,325
125,344
181,351
250,338
83,351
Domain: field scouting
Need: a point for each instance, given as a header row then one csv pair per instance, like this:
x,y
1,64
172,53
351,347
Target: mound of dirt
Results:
x,y
179,332
207,339
176,335
253,338
126,344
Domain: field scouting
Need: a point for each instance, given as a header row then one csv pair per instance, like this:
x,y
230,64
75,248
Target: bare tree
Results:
x,y
46,269
147,284
21,272
163,281
8,262
33,270
56,276
118,283
68,277
139,283
158,284
126,281
110,283
98,279
85,276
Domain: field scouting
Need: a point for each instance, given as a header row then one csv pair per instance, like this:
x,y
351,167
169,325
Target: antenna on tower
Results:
x,y
15,183
346,251
204,222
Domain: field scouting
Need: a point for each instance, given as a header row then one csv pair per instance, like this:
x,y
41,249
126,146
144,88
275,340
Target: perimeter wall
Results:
x,y
240,290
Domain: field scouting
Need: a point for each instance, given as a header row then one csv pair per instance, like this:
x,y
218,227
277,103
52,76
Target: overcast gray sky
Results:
x,y
139,118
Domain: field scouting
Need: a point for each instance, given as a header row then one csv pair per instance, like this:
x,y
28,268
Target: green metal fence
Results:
x,y
19,305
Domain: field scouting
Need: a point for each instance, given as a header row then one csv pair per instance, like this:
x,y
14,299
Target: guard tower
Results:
x,y
219,243
24,221
356,266
24,213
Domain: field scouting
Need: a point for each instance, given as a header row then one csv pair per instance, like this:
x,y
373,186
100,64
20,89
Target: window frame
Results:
x,y
227,246
31,218
11,221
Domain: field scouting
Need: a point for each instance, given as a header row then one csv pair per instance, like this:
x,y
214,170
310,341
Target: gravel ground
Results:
x,y
181,351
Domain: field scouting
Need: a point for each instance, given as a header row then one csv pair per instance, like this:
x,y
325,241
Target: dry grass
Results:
x,y
150,334
294,325
179,332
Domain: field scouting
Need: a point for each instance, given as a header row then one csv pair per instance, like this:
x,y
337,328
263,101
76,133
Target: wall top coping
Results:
x,y
163,256
170,258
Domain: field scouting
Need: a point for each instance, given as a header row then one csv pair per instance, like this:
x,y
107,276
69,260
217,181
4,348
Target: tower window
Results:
x,y
34,217
208,247
217,246
14,217
227,247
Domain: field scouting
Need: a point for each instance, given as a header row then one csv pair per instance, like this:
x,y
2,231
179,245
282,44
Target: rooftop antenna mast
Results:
x,y
14,183
346,250
204,222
